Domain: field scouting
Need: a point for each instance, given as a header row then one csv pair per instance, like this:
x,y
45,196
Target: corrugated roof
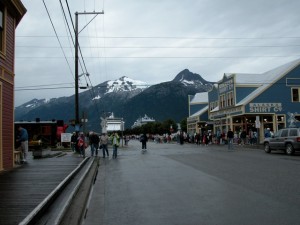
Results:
x,y
200,112
200,98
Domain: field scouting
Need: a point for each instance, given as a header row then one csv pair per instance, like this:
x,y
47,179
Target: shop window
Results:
x,y
280,122
295,94
1,27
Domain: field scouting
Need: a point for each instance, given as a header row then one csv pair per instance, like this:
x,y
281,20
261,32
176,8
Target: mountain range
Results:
x,y
125,98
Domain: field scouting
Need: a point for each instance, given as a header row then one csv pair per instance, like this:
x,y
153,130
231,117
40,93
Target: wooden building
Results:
x,y
11,13
256,102
198,112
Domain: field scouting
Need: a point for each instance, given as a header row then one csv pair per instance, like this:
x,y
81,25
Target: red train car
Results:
x,y
42,133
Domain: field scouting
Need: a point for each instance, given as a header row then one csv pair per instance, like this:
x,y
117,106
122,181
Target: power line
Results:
x,y
44,85
166,57
167,47
92,91
57,36
45,88
78,43
27,88
164,37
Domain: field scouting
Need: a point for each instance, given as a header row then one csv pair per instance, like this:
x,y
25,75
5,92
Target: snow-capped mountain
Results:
x,y
123,84
125,97
188,78
28,106
36,102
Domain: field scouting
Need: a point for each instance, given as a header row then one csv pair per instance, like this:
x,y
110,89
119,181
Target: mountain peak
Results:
x,y
124,84
188,78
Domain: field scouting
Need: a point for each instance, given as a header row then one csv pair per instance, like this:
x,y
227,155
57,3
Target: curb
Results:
x,y
36,213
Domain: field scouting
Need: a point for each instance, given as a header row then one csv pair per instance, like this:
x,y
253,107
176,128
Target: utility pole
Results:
x,y
77,120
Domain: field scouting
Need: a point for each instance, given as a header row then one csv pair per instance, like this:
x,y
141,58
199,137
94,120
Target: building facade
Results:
x,y
198,112
256,101
11,12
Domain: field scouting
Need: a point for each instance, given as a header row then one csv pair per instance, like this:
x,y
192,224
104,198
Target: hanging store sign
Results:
x,y
265,107
227,112
226,86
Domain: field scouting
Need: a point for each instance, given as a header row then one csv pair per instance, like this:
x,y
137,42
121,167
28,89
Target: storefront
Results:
x,y
257,102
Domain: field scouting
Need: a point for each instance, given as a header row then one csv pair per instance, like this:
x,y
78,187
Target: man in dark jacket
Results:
x,y
74,142
94,141
144,140
243,137
230,136
23,138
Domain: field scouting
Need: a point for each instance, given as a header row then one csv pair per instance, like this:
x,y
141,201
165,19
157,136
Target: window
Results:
x,y
293,132
295,94
230,98
280,122
1,27
222,101
213,105
284,133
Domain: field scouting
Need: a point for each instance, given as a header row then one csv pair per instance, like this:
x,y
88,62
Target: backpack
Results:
x,y
80,142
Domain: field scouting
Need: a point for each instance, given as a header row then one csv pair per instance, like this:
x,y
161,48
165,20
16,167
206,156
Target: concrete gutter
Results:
x,y
38,211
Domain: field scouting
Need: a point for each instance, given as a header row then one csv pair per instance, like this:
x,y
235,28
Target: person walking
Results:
x,y
103,144
197,138
144,140
73,141
94,141
81,144
115,140
230,136
23,138
243,137
206,135
251,136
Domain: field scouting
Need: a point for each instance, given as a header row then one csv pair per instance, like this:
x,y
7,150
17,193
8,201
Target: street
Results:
x,y
188,184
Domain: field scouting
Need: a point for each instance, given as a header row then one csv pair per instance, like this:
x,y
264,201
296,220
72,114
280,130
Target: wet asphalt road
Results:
x,y
172,184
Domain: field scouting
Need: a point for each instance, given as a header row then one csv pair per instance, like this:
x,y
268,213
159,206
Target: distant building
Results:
x,y
142,120
112,123
11,13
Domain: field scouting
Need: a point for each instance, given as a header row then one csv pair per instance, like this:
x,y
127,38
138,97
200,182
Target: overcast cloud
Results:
x,y
152,41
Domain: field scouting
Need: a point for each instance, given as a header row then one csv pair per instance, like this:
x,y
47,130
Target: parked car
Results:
x,y
287,139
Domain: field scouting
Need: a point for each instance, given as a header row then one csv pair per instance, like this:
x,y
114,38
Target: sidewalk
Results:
x,y
24,187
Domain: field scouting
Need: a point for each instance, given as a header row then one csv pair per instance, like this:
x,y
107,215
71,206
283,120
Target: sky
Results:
x,y
149,40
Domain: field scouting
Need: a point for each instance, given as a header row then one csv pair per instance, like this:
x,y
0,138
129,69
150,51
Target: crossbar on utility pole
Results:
x,y
77,120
